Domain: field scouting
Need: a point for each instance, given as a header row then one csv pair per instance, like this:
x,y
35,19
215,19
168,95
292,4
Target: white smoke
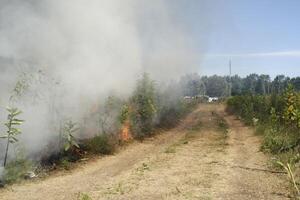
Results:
x,y
87,49
1,172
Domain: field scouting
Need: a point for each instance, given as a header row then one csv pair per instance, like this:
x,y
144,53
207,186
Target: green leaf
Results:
x,y
16,113
15,123
18,120
75,144
67,146
69,137
14,139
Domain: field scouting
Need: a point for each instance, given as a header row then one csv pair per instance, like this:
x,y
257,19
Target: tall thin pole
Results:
x,y
230,82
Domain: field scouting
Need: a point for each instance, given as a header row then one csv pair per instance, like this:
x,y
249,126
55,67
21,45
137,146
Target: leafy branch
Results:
x,y
69,129
12,130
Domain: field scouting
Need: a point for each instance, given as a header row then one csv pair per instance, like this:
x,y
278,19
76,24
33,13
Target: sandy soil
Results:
x,y
192,161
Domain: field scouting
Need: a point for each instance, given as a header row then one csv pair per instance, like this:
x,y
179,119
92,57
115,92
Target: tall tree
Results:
x,y
144,107
250,83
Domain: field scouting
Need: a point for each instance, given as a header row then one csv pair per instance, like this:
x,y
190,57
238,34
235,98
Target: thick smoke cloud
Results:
x,y
87,50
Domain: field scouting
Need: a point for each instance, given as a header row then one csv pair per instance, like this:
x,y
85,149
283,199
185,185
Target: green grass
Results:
x,y
83,196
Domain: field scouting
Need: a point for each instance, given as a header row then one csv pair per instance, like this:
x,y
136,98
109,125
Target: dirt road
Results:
x,y
193,161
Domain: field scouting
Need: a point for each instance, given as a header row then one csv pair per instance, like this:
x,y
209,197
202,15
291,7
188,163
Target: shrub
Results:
x,y
16,170
68,133
277,117
102,144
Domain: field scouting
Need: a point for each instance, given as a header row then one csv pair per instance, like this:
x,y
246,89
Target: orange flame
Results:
x,y
125,132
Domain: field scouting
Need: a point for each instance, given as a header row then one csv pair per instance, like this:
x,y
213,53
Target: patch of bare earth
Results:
x,y
192,161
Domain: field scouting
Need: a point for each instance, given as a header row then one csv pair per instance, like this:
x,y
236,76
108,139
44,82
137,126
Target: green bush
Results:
x,y
249,107
277,117
279,142
101,144
16,170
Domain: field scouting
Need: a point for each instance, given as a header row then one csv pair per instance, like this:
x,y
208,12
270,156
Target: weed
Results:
x,y
287,167
65,163
83,196
143,168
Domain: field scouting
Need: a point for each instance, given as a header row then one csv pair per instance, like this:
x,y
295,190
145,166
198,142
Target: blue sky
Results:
x,y
261,36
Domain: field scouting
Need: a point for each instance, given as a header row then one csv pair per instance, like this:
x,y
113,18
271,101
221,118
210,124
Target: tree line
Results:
x,y
222,86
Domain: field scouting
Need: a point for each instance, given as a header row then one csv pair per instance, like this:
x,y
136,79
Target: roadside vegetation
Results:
x,y
277,118
118,121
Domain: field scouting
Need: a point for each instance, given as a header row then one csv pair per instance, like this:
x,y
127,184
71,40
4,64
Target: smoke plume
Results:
x,y
77,52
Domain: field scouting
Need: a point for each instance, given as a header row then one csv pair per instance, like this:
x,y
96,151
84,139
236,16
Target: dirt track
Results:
x,y
192,161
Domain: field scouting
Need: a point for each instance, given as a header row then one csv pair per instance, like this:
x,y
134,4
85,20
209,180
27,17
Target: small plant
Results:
x,y
69,129
65,163
83,196
291,177
12,130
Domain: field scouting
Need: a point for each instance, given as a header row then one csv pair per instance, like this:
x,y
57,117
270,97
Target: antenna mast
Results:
x,y
230,81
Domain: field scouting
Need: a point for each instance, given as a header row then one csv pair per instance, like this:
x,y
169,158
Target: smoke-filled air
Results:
x,y
61,59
